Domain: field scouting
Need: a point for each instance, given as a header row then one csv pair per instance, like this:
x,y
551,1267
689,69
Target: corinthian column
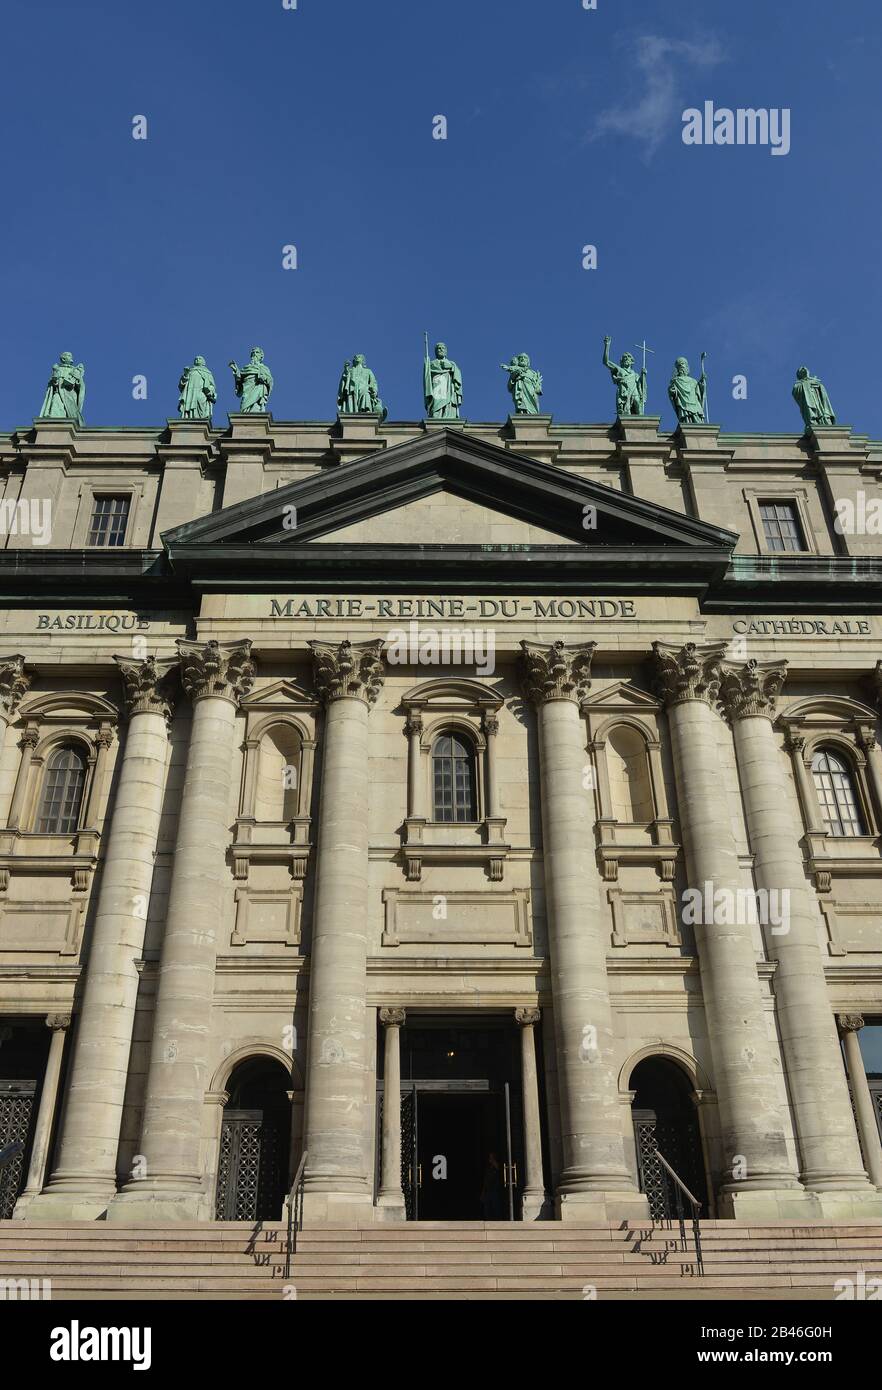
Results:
x,y
595,1182
216,675
758,1172
832,1168
84,1180
337,1185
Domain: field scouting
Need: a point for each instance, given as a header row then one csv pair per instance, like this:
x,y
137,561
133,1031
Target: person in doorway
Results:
x,y
493,1190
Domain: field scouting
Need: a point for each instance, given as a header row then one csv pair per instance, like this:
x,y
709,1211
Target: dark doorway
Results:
x,y
255,1137
24,1049
458,1076
457,1132
665,1122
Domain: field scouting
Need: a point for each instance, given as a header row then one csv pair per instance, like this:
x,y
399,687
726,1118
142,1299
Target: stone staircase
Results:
x,y
442,1261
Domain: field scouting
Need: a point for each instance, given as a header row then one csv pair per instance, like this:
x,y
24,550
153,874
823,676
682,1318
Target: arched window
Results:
x,y
63,788
835,788
453,779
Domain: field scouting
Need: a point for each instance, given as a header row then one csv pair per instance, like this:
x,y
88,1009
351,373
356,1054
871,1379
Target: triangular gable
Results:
x,y
578,510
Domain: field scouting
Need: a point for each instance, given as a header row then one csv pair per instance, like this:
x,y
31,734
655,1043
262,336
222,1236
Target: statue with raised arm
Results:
x,y
253,383
66,391
812,399
442,385
198,391
688,396
630,386
358,393
524,383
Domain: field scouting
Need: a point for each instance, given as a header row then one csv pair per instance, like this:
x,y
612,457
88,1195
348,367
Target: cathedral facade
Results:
x,y
478,810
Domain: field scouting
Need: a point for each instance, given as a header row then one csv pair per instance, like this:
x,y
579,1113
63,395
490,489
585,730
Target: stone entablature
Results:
x,y
698,470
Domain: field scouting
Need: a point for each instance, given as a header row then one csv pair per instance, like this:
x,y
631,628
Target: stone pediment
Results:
x,y
479,486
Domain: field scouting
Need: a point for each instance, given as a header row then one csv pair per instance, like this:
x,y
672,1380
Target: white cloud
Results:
x,y
656,114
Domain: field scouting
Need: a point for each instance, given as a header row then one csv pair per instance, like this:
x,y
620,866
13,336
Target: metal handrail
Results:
x,y
294,1202
696,1209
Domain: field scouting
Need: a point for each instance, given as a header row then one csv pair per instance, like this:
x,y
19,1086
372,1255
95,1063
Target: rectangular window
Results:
x,y
781,526
110,516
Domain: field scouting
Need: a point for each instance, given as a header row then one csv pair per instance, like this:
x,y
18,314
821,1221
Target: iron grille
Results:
x,y
16,1113
680,1143
249,1179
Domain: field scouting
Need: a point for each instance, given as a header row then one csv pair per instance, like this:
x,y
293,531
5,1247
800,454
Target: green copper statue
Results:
x,y
812,399
253,383
524,383
688,396
630,388
198,391
66,391
442,385
358,392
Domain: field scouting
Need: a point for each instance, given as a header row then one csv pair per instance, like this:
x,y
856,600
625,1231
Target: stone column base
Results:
x,y
61,1205
585,1208
390,1208
799,1205
339,1209
536,1206
158,1207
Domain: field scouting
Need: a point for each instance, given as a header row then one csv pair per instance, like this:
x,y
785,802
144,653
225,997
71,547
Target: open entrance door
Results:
x,y
461,1121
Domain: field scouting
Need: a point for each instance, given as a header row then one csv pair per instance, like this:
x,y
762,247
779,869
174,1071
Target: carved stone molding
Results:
x,y
149,686
686,673
14,684
393,1018
57,1022
527,1017
349,669
222,669
752,689
557,672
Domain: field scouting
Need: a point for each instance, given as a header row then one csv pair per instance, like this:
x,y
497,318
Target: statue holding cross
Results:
x,y
688,396
630,387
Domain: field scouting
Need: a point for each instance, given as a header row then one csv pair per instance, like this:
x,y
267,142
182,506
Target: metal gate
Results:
x,y
16,1114
250,1184
679,1140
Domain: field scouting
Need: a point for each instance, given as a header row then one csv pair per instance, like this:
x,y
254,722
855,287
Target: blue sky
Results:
x,y
313,127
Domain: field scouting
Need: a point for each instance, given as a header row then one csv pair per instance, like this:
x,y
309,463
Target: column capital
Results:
x,y
349,669
527,1017
57,1022
752,689
148,685
393,1018
867,738
850,1023
490,723
687,673
557,672
222,669
413,723
14,684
